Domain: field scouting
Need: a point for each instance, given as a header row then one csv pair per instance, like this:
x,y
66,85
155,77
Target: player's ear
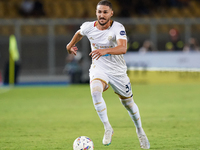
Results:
x,y
112,13
96,12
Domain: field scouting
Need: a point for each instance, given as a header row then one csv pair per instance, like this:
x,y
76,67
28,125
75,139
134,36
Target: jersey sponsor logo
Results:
x,y
103,47
122,33
100,47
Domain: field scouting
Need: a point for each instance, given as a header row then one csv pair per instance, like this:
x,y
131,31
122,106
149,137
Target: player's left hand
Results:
x,y
96,54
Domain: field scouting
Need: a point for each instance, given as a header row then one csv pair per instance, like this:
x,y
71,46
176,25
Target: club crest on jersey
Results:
x,y
122,33
109,38
91,38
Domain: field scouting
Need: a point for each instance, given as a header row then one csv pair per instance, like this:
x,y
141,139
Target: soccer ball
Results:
x,y
83,143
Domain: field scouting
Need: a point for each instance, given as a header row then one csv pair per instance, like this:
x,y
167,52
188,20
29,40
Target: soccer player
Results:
x,y
108,43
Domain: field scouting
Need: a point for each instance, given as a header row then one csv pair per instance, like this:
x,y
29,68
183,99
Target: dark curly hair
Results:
x,y
106,3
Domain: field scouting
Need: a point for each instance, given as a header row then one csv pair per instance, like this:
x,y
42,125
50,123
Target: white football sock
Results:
x,y
133,112
96,91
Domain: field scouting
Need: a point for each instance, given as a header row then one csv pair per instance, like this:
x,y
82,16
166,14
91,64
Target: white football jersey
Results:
x,y
102,39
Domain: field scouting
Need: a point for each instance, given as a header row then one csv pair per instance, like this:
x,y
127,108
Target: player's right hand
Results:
x,y
72,50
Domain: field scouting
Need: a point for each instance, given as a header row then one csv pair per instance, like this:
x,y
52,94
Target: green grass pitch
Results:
x,y
51,118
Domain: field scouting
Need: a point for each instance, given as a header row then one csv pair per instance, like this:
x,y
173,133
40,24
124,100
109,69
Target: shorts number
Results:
x,y
128,87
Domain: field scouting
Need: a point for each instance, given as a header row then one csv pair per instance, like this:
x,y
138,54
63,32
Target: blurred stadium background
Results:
x,y
43,28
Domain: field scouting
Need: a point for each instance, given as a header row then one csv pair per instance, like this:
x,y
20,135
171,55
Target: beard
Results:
x,y
102,24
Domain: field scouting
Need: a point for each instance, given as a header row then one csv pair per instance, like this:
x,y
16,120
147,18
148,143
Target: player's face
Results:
x,y
104,13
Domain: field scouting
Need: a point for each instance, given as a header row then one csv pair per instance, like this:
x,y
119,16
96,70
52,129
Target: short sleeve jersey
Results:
x,y
102,39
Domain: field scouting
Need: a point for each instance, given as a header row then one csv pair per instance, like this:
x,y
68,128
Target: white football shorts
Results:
x,y
119,83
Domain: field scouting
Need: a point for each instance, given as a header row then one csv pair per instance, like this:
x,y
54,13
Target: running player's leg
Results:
x,y
121,85
135,116
97,88
133,111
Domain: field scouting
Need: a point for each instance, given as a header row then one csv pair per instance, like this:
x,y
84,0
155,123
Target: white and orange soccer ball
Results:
x,y
83,143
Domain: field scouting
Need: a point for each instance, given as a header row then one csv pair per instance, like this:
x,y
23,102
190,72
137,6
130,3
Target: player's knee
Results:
x,y
128,103
96,87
